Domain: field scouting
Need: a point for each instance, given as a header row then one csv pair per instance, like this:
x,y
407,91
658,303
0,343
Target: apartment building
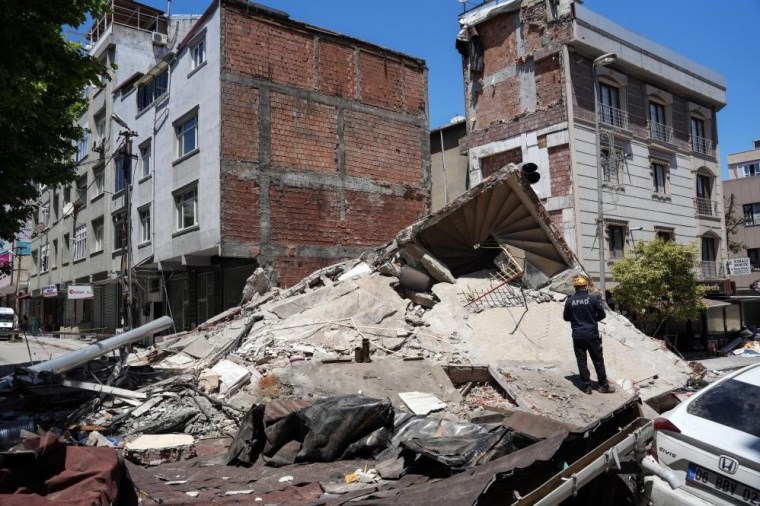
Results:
x,y
78,276
742,202
543,77
244,140
448,165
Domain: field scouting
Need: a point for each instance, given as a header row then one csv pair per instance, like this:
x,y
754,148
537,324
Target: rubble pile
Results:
x,y
436,340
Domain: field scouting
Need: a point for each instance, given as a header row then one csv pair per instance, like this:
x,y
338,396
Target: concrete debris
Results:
x,y
431,324
421,403
152,450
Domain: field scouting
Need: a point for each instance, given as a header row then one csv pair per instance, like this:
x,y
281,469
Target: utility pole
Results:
x,y
126,256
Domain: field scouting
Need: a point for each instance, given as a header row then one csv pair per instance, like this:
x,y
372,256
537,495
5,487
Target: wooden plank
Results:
x,y
499,379
104,389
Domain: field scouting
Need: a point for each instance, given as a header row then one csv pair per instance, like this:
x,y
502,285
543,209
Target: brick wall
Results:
x,y
304,134
560,169
324,143
490,164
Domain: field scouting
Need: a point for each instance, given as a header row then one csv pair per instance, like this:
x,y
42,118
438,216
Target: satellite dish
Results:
x,y
39,227
68,209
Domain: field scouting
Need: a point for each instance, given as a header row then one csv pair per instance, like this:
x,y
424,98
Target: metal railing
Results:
x,y
611,116
706,207
131,15
701,145
709,269
660,132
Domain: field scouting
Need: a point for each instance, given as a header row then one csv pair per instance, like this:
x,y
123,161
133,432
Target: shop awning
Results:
x,y
710,303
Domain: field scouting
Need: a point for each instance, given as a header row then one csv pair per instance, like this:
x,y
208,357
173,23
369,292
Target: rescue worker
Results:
x,y
584,311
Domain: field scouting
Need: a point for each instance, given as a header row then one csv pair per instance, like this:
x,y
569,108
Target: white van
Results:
x,y
6,323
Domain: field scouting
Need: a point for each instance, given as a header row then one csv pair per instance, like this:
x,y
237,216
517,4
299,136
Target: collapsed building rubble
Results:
x,y
447,335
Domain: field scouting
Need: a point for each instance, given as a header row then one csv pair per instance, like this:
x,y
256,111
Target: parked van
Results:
x,y
6,323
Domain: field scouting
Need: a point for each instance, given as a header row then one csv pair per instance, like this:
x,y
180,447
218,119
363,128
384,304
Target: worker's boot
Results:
x,y
606,388
586,387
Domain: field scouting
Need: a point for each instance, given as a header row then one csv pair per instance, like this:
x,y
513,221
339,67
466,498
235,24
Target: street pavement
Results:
x,y
12,354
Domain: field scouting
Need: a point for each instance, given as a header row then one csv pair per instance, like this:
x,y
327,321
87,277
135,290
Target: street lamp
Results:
x,y
602,61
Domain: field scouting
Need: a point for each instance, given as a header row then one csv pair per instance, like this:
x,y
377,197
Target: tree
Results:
x,y
42,77
733,225
656,281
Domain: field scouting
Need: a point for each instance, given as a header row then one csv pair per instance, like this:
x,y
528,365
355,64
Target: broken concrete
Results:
x,y
152,450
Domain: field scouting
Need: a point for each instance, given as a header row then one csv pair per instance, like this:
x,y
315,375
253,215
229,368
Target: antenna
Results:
x,y
119,120
68,209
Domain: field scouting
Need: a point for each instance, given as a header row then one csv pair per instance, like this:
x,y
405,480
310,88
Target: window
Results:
x,y
80,242
186,205
665,235
616,239
120,235
754,258
659,177
120,172
144,215
97,235
66,195
152,90
699,141
187,136
45,214
198,54
44,258
751,215
704,196
98,183
752,169
658,129
56,205
82,189
609,105
83,147
54,258
65,252
100,129
145,156
733,403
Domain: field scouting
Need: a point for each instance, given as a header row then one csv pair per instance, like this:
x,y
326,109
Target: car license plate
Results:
x,y
710,480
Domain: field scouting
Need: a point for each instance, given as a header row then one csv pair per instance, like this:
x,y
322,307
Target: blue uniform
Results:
x,y
584,311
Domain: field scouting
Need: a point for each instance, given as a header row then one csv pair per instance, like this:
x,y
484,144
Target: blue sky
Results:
x,y
722,35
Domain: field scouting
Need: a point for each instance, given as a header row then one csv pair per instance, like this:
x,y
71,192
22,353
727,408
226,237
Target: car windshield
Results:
x,y
6,318
734,403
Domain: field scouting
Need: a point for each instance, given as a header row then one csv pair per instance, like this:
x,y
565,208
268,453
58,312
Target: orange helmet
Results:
x,y
580,281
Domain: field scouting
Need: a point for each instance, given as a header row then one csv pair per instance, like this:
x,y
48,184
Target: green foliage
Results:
x,y
656,281
733,225
42,76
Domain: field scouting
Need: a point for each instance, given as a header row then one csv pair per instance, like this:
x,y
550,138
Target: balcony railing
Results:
x,y
709,270
706,207
701,145
660,132
612,116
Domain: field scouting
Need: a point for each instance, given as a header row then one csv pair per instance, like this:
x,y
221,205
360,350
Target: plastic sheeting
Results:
x,y
334,428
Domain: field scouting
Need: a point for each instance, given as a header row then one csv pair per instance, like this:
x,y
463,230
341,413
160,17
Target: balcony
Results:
x,y
660,132
709,269
701,145
706,207
131,14
608,115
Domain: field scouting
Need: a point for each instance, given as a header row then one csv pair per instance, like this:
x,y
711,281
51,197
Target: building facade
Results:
x,y
234,140
537,91
742,204
448,165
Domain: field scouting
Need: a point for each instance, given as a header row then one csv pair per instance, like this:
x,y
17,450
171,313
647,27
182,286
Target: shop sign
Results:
x,y
50,291
722,287
5,258
737,266
79,292
23,248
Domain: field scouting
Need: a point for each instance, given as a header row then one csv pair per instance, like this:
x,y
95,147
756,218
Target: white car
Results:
x,y
708,448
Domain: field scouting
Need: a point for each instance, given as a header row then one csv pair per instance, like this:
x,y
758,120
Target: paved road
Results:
x,y
17,353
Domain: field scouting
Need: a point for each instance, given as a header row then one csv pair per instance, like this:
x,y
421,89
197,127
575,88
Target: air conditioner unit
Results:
x,y
160,39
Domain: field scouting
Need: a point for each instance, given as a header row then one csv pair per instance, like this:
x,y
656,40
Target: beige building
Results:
x,y
742,200
448,165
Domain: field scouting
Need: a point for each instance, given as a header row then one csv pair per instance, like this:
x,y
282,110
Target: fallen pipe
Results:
x,y
96,350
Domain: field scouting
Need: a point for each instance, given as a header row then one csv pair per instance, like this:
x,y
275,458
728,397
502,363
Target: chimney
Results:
x,y
757,143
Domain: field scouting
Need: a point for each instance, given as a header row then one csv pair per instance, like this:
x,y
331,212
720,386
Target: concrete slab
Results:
x,y
421,403
379,379
155,449
231,375
199,348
